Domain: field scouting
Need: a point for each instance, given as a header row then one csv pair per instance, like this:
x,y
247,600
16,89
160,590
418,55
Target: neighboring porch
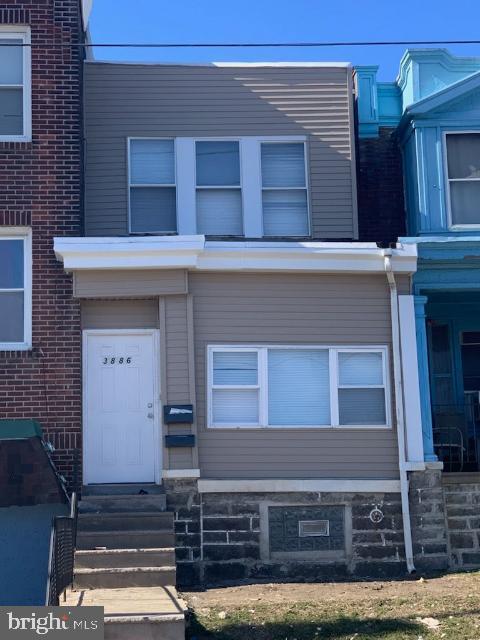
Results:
x,y
451,381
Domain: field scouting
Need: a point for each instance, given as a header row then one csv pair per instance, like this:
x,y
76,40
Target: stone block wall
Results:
x,y
224,537
463,517
427,513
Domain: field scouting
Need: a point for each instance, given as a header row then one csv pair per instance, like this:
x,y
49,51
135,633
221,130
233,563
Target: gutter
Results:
x,y
399,409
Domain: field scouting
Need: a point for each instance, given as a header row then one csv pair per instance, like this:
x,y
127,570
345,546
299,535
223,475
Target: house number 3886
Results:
x,y
114,360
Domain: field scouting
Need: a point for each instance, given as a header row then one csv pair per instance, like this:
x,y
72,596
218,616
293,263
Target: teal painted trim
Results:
x,y
445,95
389,104
366,95
423,374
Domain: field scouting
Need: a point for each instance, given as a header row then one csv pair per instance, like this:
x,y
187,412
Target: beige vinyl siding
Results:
x,y
290,309
119,314
128,284
125,100
178,383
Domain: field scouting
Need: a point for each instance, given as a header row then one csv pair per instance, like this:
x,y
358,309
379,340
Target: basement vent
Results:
x,y
308,528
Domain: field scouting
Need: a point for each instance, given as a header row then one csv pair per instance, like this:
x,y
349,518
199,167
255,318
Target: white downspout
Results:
x,y
398,382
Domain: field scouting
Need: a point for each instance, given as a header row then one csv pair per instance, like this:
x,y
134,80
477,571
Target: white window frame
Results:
x,y
334,386
447,180
14,32
157,186
220,187
306,188
250,181
24,234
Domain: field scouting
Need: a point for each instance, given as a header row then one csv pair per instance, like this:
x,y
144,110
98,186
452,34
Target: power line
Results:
x,y
229,45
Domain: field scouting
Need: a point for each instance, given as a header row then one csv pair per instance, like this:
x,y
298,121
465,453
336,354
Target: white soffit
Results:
x,y
193,252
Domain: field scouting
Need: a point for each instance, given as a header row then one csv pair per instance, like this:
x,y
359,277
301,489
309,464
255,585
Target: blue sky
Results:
x,y
282,20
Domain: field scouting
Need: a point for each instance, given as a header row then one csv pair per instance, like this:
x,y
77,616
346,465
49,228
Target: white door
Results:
x,y
120,443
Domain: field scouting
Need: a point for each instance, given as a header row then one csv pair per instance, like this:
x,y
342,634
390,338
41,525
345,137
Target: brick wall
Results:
x,y
381,212
40,186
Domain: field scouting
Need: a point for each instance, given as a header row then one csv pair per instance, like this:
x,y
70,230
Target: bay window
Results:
x,y
284,386
463,178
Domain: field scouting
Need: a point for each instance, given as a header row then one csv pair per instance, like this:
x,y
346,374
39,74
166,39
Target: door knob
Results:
x,y
150,415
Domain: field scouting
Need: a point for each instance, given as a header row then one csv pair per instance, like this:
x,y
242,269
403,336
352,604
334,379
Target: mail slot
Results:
x,y
178,413
187,440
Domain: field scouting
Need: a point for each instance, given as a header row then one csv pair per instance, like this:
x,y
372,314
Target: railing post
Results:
x,y
424,380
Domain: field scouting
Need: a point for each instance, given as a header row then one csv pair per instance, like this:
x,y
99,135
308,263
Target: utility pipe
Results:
x,y
399,410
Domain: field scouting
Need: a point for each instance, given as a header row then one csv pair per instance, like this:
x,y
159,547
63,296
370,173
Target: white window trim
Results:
x,y
222,187
14,32
447,180
158,186
250,181
25,234
334,350
306,188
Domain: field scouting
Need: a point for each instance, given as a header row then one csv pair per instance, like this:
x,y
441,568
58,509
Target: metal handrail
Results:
x,y
63,537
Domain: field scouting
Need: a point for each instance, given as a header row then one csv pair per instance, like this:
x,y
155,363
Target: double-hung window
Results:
x,y
284,386
153,194
284,189
219,194
15,289
15,92
463,177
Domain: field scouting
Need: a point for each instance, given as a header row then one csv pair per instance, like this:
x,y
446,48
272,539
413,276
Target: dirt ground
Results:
x,y
451,584
442,608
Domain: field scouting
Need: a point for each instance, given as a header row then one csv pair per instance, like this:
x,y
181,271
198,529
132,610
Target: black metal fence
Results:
x,y
62,550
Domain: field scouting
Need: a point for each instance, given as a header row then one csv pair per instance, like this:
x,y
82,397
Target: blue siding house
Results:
x,y
433,109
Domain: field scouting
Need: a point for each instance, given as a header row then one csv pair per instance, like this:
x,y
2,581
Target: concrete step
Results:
x,y
138,613
118,558
122,489
125,577
123,503
143,521
114,539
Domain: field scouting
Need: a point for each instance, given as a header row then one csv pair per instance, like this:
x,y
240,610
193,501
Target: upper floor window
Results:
x,y
284,189
219,194
292,386
153,199
15,91
249,186
463,175
15,289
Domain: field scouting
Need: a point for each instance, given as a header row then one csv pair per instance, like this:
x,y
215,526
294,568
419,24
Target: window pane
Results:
x,y
153,209
360,368
235,406
298,387
283,165
218,164
219,212
11,112
362,406
235,367
11,264
463,155
465,202
152,162
11,62
11,316
285,213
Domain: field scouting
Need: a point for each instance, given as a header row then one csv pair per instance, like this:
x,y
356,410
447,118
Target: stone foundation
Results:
x,y
227,537
462,501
